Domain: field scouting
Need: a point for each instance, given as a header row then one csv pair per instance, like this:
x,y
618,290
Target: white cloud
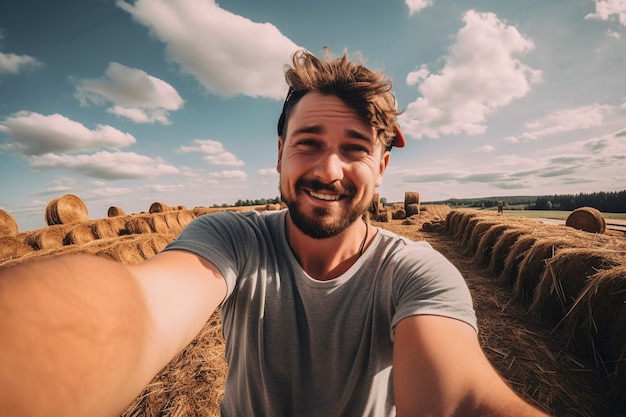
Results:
x,y
565,120
416,5
605,9
481,73
110,191
613,34
136,95
214,152
234,174
228,54
163,188
106,165
36,134
14,64
485,148
268,172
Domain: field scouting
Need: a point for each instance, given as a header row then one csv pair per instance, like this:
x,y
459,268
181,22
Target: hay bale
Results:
x,y
51,237
157,207
516,255
137,225
484,250
109,227
502,248
463,221
185,217
66,209
158,224
411,197
115,211
11,247
411,209
587,219
8,225
595,325
564,277
532,266
398,214
79,234
475,234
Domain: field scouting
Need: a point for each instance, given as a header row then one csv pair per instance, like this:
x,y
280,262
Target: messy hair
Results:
x,y
366,91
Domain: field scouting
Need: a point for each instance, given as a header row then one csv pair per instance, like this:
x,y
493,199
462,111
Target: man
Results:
x,y
323,314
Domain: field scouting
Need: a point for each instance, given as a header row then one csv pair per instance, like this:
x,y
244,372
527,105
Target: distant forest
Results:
x,y
609,202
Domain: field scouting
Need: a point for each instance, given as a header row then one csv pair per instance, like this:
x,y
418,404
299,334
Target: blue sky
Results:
x,y
125,103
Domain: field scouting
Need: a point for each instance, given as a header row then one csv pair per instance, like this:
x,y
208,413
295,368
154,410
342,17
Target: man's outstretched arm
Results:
x,y
82,335
439,369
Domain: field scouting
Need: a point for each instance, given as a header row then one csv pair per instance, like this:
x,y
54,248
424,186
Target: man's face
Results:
x,y
330,165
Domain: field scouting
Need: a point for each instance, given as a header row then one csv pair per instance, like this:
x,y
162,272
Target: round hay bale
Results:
x,y
452,221
412,209
79,234
123,250
51,237
137,225
587,219
115,211
8,225
104,228
157,207
66,209
594,326
181,207
9,247
564,277
502,248
411,197
398,214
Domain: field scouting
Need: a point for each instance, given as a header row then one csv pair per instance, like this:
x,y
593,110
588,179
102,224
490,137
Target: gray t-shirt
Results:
x,y
300,347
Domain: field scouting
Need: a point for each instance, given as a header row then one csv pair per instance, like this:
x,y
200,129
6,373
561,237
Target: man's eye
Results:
x,y
357,148
307,143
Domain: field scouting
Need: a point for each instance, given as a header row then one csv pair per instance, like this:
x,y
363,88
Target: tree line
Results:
x,y
610,202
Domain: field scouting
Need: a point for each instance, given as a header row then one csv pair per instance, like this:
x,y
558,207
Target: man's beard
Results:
x,y
319,224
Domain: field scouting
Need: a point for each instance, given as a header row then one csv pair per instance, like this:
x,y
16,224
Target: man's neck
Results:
x,y
328,258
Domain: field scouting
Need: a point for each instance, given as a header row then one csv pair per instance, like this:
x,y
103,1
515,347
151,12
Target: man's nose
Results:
x,y
329,168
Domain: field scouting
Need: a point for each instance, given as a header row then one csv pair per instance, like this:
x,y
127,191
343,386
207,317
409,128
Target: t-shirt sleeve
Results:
x,y
221,238
426,283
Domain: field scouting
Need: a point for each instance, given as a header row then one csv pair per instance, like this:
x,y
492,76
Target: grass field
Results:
x,y
557,214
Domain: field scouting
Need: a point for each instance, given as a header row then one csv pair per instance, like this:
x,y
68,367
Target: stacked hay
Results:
x,y
595,325
503,246
109,227
587,219
565,276
484,250
137,224
13,247
8,225
375,206
66,209
411,203
115,211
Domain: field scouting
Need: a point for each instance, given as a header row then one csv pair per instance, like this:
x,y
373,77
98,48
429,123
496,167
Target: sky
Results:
x,y
126,103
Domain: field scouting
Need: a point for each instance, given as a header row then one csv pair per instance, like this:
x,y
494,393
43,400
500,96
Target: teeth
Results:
x,y
327,197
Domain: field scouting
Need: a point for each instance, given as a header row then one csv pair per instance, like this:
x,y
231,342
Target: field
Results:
x,y
550,301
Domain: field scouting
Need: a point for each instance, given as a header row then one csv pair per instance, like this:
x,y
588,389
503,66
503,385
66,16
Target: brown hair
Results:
x,y
366,91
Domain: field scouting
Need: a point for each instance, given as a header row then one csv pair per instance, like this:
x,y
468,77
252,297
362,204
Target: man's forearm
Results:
x,y
73,332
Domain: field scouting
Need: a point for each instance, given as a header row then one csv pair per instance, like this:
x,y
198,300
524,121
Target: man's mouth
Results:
x,y
325,197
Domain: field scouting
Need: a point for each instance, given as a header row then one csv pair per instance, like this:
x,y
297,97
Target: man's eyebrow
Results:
x,y
319,129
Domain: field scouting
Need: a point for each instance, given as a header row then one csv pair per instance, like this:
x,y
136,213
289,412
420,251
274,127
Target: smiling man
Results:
x,y
323,314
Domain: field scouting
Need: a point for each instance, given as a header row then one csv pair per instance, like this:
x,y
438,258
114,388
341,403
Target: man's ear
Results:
x,y
384,161
280,153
